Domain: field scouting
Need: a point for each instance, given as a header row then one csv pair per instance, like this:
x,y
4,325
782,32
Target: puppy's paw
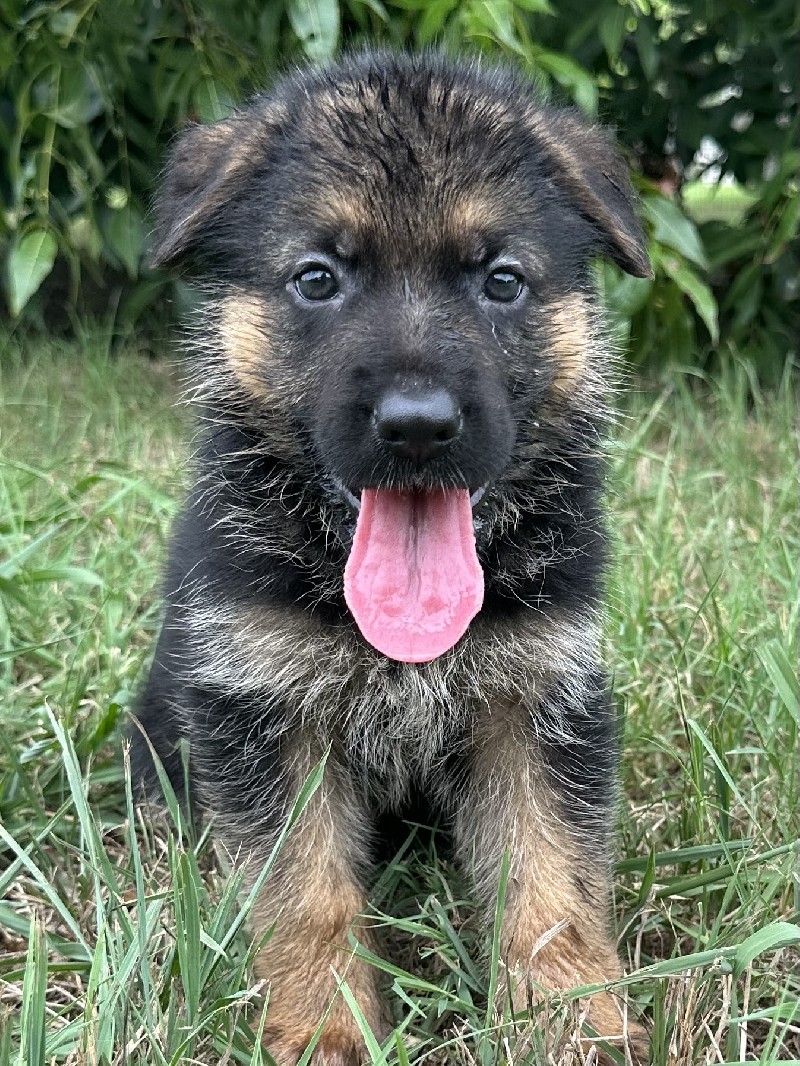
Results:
x,y
602,1019
610,1019
334,1049
341,1043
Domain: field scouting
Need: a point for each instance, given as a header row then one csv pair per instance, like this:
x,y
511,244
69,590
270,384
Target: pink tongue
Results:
x,y
413,580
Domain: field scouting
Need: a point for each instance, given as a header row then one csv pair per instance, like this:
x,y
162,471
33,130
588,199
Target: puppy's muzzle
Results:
x,y
418,425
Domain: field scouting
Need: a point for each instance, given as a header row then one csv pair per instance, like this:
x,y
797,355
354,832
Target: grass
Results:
x,y
122,938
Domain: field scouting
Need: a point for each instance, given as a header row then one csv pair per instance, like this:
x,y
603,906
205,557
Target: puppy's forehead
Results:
x,y
382,156
465,220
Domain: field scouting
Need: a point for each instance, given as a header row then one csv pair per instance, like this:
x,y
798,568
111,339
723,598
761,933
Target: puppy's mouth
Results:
x,y
413,581
354,502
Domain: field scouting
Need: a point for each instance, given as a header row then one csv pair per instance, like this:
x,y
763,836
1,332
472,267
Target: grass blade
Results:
x,y
34,999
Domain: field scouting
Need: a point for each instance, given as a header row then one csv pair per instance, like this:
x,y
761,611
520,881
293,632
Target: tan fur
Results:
x,y
313,902
237,364
474,212
569,328
555,926
344,212
243,328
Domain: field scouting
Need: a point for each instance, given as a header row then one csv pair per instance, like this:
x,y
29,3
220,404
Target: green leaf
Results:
x,y
316,24
29,262
371,1041
569,74
495,19
715,757
64,24
612,30
45,887
648,51
375,6
672,228
69,95
745,294
697,960
433,20
187,935
416,929
785,230
310,786
400,1050
773,937
499,913
624,295
211,100
536,7
124,231
11,566
697,291
706,202
648,879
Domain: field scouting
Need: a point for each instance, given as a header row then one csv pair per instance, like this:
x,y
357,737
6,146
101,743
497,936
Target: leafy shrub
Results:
x,y
704,95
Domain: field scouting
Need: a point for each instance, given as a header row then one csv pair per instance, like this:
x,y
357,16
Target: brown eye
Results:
x,y
316,283
503,286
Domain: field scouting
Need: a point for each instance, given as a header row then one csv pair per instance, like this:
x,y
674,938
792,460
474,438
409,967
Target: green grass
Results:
x,y
122,940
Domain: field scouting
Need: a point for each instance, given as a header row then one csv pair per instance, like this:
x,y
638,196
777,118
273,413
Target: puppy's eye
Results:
x,y
503,285
316,283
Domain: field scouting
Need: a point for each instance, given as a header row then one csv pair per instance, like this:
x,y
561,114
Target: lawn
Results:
x,y
124,941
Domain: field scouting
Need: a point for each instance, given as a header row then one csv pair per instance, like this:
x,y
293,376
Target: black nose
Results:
x,y
418,425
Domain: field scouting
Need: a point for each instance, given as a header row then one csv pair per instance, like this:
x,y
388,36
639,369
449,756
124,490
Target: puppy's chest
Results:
x,y
398,735
397,726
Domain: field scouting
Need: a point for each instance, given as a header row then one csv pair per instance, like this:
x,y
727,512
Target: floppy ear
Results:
x,y
203,166
597,177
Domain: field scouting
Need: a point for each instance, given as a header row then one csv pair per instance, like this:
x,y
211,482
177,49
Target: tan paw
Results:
x,y
604,1014
614,1024
333,1049
341,1043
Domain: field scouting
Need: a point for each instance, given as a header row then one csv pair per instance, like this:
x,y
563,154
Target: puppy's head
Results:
x,y
397,251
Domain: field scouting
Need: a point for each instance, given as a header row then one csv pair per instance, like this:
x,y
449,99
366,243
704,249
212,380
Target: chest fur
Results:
x,y
393,723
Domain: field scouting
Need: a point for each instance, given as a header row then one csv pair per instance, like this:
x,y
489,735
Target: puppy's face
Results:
x,y
399,251
399,255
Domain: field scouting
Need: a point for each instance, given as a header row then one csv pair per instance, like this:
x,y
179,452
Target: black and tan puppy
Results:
x,y
394,543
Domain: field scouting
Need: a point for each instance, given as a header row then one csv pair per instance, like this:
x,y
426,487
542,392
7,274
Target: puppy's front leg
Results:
x,y
555,926
308,905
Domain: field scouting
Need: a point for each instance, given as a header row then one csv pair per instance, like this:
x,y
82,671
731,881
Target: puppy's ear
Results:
x,y
202,170
597,178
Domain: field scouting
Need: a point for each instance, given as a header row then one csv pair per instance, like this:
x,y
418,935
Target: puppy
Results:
x,y
393,548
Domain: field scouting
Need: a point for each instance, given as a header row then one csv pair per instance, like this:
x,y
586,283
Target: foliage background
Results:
x,y
703,94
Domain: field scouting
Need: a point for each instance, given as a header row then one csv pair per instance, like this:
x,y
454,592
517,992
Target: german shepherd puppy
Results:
x,y
393,548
